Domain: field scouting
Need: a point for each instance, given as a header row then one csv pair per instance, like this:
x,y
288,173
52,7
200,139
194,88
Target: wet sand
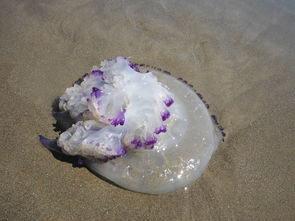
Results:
x,y
238,54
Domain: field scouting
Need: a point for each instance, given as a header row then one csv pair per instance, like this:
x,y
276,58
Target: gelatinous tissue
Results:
x,y
143,130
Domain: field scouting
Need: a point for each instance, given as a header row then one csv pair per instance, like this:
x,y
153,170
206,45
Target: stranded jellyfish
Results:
x,y
144,130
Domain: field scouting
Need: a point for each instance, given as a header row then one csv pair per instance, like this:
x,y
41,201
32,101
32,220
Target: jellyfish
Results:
x,y
137,126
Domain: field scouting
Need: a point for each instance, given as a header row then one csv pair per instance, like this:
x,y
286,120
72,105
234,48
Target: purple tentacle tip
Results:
x,y
96,92
150,141
165,115
136,142
169,101
161,129
120,119
50,144
97,73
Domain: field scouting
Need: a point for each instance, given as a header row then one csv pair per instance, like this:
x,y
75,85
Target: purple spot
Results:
x,y
96,92
169,101
165,115
120,119
109,149
134,67
161,129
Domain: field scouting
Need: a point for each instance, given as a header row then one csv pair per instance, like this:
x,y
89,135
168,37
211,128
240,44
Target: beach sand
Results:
x,y
238,53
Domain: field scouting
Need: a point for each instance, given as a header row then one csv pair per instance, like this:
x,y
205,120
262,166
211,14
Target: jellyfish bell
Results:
x,y
144,130
180,156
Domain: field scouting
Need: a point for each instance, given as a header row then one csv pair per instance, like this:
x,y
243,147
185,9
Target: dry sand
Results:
x,y
238,53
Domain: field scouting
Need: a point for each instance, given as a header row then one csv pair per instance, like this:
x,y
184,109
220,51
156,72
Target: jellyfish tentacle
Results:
x,y
50,144
88,139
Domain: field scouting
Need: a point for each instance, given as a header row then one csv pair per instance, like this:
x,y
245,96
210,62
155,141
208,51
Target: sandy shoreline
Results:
x,y
238,54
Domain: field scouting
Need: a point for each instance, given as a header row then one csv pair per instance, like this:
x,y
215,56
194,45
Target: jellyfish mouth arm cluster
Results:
x,y
116,108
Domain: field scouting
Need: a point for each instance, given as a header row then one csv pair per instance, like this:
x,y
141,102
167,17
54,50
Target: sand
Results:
x,y
238,53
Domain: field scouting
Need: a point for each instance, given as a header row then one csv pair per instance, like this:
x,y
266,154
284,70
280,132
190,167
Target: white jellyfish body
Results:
x,y
154,129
